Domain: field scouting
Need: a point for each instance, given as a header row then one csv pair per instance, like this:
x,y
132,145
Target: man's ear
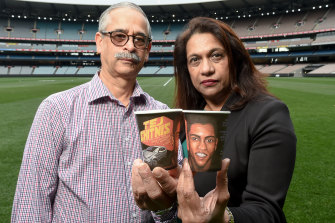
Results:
x,y
149,46
98,42
148,51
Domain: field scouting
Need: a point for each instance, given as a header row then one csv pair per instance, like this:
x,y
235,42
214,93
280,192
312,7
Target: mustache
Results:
x,y
127,55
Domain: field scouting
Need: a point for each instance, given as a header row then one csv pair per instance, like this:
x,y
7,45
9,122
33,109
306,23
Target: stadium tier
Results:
x,y
283,44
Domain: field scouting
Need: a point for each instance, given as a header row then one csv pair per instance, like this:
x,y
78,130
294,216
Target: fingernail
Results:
x,y
137,162
157,174
142,167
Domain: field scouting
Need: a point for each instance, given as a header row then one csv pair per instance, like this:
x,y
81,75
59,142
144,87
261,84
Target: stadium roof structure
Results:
x,y
160,10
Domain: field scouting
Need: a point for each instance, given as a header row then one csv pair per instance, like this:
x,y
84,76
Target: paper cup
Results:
x,y
159,133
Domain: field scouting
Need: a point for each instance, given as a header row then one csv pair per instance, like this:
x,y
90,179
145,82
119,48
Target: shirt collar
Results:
x,y
98,90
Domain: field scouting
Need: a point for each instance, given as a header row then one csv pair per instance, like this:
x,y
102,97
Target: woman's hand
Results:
x,y
211,208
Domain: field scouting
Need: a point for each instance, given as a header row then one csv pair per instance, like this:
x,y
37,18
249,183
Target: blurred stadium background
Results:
x,y
284,37
291,40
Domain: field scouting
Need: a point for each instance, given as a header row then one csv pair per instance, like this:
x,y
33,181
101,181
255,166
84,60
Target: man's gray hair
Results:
x,y
104,22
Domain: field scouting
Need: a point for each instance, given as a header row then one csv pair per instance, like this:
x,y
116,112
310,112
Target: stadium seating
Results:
x,y
61,70
87,70
44,70
165,70
15,70
327,21
3,70
26,70
89,31
21,29
150,70
70,30
324,39
47,30
295,70
325,69
158,30
272,68
44,35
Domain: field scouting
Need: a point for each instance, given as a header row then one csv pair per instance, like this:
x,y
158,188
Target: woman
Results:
x,y
214,71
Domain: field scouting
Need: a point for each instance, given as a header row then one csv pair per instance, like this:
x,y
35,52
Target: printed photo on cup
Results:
x,y
159,133
205,135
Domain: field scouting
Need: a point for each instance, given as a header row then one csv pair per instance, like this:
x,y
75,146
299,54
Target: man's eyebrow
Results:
x,y
195,135
140,34
126,31
209,137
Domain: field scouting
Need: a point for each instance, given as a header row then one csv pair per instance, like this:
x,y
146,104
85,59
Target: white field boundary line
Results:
x,y
166,83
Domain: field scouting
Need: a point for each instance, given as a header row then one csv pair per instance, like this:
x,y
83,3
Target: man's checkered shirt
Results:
x,y
78,157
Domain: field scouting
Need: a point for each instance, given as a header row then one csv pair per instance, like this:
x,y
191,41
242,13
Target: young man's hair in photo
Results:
x,y
204,120
211,120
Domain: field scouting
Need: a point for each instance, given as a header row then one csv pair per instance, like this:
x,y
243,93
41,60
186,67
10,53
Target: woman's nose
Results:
x,y
207,67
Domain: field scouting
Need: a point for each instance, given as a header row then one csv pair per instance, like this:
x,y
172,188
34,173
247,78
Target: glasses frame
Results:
x,y
110,36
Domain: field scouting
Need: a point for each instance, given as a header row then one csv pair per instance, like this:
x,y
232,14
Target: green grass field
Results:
x,y
311,197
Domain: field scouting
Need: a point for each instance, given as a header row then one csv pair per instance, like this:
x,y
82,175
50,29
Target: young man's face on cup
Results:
x,y
202,145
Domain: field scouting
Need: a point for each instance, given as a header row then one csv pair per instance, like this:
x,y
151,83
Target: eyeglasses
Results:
x,y
120,39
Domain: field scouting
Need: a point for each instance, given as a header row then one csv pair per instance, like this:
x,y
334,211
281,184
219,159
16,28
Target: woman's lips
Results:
x,y
209,82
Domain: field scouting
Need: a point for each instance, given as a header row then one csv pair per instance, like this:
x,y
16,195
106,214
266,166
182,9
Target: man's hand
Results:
x,y
154,190
211,208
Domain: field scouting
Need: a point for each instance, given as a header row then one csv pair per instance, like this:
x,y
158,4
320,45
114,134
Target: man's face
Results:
x,y
202,144
131,22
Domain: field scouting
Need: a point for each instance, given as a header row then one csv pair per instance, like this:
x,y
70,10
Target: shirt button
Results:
x,y
126,139
134,215
129,163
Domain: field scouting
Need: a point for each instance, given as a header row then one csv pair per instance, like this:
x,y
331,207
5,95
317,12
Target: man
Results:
x,y
202,144
78,157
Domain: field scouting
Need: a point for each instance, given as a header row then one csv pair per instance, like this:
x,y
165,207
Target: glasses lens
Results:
x,y
119,38
140,41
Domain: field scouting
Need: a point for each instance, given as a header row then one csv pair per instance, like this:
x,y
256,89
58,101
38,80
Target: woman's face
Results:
x,y
207,64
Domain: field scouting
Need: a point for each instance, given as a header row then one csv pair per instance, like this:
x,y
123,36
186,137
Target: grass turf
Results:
x,y
311,102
